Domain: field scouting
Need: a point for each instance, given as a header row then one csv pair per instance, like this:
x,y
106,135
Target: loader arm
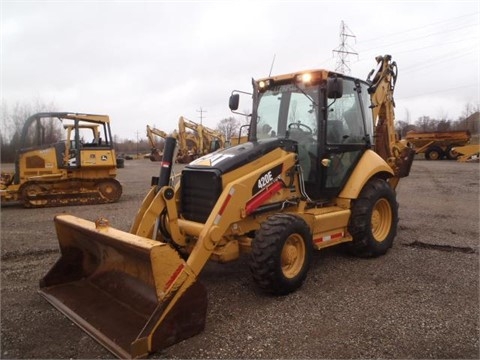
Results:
x,y
186,274
230,208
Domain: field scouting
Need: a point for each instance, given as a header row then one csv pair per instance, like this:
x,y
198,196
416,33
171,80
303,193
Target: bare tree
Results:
x,y
229,127
13,120
470,108
401,126
425,123
444,125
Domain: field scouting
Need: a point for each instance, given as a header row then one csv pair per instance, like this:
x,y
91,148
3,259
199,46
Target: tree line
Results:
x,y
13,119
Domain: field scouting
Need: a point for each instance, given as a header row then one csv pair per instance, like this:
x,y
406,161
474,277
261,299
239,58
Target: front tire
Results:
x,y
374,219
281,254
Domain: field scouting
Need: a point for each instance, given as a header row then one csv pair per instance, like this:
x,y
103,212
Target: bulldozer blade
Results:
x,y
120,288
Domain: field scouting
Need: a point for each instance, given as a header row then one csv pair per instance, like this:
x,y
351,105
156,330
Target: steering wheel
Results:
x,y
299,126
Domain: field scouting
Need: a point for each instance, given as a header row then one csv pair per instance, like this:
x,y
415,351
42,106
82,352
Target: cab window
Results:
x,y
345,122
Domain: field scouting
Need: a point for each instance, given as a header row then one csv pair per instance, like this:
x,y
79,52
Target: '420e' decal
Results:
x,y
266,178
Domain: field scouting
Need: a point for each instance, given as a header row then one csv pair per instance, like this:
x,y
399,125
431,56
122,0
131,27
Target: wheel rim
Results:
x,y
434,155
381,220
293,256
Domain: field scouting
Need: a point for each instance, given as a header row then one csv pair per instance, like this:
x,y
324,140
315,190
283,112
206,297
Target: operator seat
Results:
x,y
334,131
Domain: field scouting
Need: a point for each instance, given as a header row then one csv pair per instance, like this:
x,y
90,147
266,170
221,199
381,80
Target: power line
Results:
x,y
421,37
435,92
421,27
454,41
437,60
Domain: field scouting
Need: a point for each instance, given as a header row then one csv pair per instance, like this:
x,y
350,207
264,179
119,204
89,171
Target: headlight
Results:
x,y
264,84
305,78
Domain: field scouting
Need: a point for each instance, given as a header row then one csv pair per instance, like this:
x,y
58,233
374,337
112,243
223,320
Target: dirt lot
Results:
x,y
421,300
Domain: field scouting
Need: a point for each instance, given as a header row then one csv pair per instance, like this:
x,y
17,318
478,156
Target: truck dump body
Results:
x,y
438,144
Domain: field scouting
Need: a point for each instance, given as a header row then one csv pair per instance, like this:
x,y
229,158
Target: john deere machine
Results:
x,y
320,169
78,169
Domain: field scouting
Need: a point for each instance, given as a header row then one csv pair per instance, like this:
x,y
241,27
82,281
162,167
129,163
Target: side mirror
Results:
x,y
334,88
234,101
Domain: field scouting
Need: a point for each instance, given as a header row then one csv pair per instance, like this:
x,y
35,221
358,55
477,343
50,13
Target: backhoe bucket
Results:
x,y
133,295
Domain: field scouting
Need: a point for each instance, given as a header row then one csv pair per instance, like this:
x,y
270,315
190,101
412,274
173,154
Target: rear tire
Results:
x,y
451,154
281,254
373,223
434,153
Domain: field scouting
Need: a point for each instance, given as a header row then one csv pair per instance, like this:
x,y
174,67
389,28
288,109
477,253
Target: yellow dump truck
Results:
x,y
437,145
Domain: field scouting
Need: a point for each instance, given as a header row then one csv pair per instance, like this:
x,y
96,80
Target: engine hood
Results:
x,y
229,159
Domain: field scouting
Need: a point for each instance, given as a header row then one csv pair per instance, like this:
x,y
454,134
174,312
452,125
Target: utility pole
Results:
x,y
137,144
201,111
344,50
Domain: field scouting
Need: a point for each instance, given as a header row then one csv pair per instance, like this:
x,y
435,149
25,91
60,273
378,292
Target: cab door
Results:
x,y
345,135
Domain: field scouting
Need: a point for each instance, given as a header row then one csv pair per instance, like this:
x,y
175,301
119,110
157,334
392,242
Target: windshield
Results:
x,y
285,107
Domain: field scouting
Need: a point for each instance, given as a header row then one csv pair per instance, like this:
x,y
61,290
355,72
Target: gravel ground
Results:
x,y
419,301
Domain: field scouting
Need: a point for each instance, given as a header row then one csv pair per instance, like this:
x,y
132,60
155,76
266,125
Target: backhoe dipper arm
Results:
x,y
397,155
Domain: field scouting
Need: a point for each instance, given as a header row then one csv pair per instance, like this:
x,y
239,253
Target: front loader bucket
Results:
x,y
132,294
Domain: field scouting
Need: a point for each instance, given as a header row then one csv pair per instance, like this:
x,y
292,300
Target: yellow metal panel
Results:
x,y
332,220
97,158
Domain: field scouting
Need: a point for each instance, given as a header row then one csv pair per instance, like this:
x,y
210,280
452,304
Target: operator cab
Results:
x,y
326,113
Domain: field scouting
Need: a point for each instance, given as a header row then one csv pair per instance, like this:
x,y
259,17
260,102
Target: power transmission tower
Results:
x,y
201,111
344,50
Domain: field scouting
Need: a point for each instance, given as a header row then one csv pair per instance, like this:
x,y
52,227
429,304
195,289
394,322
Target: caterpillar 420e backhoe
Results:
x,y
320,169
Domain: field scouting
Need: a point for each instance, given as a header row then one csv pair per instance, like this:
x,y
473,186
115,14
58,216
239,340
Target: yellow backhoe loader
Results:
x,y
80,169
320,169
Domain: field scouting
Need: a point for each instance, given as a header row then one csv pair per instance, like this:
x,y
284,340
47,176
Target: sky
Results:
x,y
150,62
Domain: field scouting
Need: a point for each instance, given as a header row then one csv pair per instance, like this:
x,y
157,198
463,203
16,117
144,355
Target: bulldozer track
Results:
x,y
60,193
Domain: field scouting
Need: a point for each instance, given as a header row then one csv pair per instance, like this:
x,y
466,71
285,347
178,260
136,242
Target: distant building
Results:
x,y
472,123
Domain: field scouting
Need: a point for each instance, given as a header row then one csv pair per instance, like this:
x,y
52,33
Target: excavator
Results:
x,y
204,139
155,154
191,144
320,169
78,170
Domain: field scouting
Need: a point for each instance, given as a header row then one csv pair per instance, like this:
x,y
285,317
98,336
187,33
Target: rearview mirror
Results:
x,y
334,88
234,101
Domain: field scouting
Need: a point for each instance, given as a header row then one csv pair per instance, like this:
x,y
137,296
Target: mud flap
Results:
x,y
132,294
